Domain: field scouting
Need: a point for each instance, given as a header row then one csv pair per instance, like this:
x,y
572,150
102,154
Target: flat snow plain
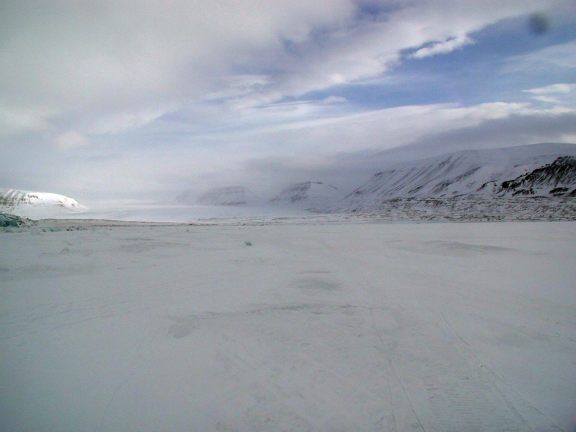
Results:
x,y
308,326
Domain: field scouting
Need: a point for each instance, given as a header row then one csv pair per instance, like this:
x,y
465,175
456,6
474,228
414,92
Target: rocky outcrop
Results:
x,y
557,178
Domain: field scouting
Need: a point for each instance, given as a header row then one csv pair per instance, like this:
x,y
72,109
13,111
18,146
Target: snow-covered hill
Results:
x,y
37,204
224,196
557,178
310,195
491,172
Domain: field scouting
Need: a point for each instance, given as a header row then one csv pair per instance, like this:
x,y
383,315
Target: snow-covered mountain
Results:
x,y
490,172
36,204
309,195
224,196
557,178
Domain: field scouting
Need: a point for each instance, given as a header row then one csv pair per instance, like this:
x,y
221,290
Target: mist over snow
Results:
x,y
231,195
308,195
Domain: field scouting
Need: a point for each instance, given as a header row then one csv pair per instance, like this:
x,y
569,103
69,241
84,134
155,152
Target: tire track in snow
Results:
x,y
542,421
401,418
445,389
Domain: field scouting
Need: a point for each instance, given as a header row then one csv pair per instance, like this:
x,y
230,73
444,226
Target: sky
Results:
x,y
129,99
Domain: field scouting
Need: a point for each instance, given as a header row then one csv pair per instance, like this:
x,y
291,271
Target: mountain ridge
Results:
x,y
315,195
457,174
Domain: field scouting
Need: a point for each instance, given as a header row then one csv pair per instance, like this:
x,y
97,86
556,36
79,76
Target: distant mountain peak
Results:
x,y
308,194
220,196
523,170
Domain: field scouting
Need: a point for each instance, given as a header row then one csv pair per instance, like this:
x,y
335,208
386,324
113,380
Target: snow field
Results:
x,y
335,327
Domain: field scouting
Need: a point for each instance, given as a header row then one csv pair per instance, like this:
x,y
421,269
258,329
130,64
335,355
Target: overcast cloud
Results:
x,y
144,99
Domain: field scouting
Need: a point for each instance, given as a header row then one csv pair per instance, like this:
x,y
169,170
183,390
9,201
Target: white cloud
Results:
x,y
14,121
561,88
120,121
561,94
330,100
90,62
70,140
443,47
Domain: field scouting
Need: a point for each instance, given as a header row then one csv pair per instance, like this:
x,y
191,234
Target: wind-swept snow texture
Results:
x,y
342,327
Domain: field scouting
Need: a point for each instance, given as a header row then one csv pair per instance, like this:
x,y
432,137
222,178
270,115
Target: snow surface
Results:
x,y
301,326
